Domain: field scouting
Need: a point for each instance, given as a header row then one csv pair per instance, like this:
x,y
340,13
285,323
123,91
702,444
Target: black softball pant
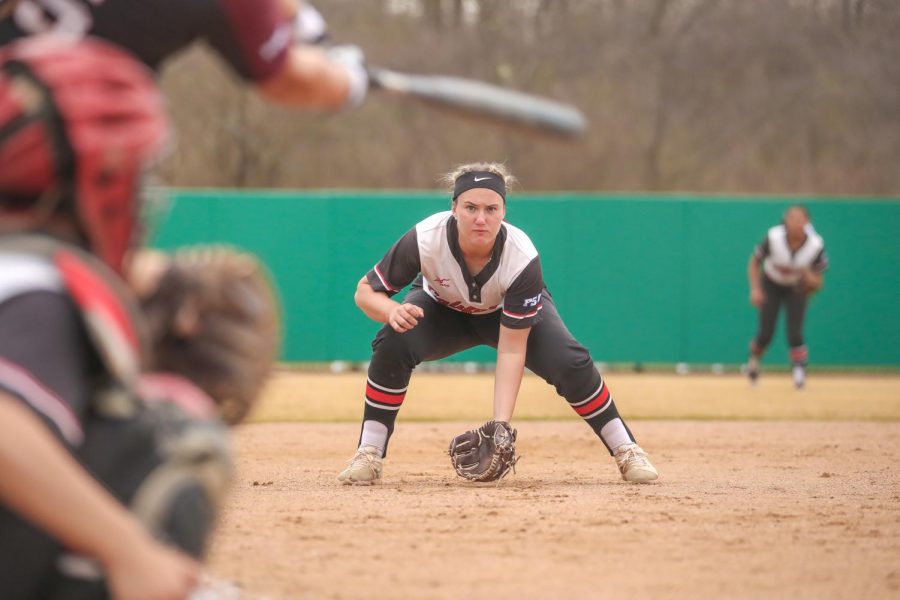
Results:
x,y
794,301
552,353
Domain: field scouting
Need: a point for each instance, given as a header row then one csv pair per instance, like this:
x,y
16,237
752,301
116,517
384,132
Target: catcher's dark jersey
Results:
x,y
511,281
58,317
251,35
46,359
47,363
785,266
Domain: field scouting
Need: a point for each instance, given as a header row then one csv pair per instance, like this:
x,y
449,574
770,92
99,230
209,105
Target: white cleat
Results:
x,y
364,469
634,465
799,374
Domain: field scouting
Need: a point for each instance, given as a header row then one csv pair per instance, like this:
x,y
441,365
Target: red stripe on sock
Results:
x,y
799,354
600,400
384,397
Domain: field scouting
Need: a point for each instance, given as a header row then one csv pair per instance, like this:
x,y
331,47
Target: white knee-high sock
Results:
x,y
374,434
615,434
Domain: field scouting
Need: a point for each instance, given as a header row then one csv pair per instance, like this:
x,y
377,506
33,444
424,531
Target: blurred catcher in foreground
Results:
x,y
112,477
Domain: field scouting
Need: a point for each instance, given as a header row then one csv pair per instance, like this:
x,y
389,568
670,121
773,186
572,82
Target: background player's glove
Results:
x,y
809,283
484,454
213,318
352,59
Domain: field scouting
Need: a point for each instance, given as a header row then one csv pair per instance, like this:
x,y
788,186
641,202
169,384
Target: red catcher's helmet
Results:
x,y
79,121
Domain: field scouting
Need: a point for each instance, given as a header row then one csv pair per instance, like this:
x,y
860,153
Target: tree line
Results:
x,y
720,96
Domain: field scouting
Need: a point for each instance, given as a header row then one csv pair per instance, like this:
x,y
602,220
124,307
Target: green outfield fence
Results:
x,y
638,278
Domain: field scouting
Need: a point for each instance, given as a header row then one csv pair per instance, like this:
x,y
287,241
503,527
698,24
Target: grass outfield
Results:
x,y
298,396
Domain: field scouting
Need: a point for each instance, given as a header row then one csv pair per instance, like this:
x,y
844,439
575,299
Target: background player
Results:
x,y
793,259
478,281
255,37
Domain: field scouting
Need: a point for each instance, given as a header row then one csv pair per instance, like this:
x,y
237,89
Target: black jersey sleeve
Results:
x,y
522,303
761,250
251,35
399,266
46,359
820,263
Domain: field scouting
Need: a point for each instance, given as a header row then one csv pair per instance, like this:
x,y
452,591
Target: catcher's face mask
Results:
x,y
78,141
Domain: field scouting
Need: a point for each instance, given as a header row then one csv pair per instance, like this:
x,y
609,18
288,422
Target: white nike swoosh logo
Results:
x,y
481,179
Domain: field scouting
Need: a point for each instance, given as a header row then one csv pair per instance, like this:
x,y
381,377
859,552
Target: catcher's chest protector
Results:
x,y
106,306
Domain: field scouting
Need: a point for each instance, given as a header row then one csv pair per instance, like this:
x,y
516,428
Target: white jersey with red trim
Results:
x,y
785,266
511,281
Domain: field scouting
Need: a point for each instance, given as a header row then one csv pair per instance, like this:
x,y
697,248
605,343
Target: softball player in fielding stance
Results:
x,y
477,282
793,262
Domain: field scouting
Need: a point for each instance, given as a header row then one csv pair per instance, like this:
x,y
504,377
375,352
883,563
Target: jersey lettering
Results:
x,y
459,306
532,301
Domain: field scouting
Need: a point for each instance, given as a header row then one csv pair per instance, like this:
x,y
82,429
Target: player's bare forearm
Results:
x,y
511,351
44,485
289,8
308,79
379,307
757,295
753,272
375,305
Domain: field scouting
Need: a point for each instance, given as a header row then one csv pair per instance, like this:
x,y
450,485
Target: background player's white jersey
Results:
x,y
786,267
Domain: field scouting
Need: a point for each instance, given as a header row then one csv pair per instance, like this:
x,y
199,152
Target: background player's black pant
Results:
x,y
794,301
552,353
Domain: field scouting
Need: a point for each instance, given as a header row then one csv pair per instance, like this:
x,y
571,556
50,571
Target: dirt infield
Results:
x,y
762,509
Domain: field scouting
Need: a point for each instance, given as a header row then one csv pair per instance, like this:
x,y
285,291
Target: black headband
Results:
x,y
479,179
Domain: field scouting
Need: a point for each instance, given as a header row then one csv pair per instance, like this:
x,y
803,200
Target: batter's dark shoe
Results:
x,y
364,469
